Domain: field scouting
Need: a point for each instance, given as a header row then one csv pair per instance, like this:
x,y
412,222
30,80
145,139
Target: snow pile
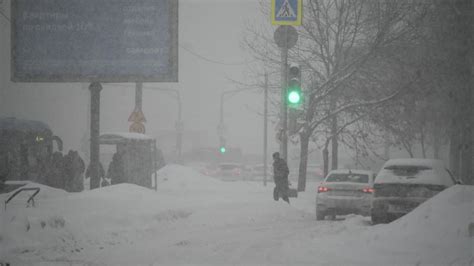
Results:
x,y
438,229
436,233
195,219
180,177
445,216
45,193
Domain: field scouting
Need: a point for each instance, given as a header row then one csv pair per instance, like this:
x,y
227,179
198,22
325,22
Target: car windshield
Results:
x,y
354,178
406,170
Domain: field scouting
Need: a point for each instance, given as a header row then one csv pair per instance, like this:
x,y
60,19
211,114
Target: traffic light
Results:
x,y
222,147
294,94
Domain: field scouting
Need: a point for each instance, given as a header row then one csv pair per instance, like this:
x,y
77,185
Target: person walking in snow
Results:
x,y
280,176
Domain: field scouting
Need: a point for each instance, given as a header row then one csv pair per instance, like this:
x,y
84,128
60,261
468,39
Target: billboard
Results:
x,y
94,40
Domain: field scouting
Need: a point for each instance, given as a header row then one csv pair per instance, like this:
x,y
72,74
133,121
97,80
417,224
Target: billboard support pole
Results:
x,y
138,95
95,88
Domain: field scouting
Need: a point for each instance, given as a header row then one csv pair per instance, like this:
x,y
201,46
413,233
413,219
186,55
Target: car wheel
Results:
x,y
320,215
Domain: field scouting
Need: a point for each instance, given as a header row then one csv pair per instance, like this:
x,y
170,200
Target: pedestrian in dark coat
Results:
x,y
56,177
101,172
280,176
116,171
74,169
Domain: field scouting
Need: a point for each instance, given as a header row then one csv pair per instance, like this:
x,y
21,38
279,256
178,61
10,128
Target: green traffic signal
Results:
x,y
294,94
294,97
222,149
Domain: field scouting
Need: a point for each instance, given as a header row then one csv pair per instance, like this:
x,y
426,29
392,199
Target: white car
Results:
x,y
403,184
345,191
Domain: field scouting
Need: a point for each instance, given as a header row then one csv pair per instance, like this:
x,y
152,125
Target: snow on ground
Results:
x,y
198,220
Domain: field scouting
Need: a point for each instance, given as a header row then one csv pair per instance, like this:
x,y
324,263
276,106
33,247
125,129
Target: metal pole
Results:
x,y
221,125
138,95
221,120
284,105
154,165
179,129
95,89
265,129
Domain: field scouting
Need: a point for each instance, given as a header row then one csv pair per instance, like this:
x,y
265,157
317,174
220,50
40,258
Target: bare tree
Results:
x,y
337,39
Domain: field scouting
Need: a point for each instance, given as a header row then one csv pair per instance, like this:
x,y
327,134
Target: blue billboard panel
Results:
x,y
94,40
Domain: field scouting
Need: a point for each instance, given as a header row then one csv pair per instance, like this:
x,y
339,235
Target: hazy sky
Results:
x,y
212,29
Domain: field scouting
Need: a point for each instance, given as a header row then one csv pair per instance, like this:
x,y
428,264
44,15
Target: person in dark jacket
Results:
x,y
116,171
101,173
74,168
56,175
280,176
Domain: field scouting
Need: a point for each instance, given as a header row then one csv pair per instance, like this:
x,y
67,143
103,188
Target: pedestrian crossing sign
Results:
x,y
287,12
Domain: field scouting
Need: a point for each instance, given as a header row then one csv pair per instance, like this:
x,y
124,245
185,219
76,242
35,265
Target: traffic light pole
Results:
x,y
284,104
265,129
285,38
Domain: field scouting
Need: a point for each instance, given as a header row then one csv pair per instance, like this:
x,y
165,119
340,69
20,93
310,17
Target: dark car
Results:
x,y
403,184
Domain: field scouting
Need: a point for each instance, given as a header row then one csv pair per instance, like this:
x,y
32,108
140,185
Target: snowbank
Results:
x,y
195,219
436,233
180,177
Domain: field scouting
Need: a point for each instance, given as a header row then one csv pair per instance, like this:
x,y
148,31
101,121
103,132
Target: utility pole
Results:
x,y
285,37
138,95
137,117
284,104
265,129
95,89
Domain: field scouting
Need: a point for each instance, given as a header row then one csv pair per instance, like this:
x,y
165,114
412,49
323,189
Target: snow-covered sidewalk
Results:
x,y
194,219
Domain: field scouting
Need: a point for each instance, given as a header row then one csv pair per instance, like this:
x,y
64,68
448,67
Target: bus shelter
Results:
x,y
139,155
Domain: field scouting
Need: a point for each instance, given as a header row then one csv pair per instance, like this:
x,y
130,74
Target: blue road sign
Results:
x,y
287,12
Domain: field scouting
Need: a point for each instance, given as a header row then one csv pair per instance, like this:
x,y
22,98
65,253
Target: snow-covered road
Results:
x,y
196,220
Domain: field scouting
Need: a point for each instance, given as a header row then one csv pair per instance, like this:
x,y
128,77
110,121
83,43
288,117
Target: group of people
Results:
x,y
115,172
66,171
